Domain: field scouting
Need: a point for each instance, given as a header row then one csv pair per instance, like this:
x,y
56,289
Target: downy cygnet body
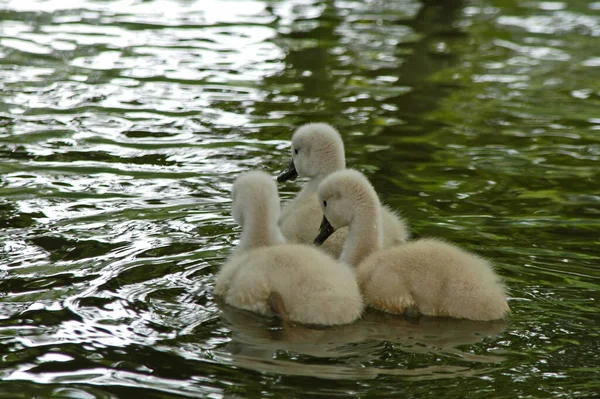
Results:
x,y
429,276
265,275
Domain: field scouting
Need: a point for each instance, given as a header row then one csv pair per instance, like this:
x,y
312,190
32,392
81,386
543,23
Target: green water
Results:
x,y
123,124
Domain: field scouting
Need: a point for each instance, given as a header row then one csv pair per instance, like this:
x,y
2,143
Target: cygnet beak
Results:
x,y
325,231
289,174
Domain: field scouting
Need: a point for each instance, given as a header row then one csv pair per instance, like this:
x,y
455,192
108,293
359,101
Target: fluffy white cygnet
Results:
x,y
430,276
265,275
317,151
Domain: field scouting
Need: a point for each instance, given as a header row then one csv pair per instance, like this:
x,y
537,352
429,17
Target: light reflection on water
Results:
x,y
123,124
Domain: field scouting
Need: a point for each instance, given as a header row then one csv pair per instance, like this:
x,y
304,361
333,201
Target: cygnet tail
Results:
x,y
277,306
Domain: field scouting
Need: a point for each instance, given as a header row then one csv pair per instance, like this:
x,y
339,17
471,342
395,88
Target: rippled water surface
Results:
x,y
123,124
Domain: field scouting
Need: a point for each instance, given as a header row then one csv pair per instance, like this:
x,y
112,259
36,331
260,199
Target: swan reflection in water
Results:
x,y
353,351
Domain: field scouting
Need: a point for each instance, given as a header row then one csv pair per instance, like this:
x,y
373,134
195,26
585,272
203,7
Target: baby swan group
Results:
x,y
265,275
428,276
317,151
275,268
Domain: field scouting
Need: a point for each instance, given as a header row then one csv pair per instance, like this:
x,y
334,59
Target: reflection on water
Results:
x,y
123,124
368,343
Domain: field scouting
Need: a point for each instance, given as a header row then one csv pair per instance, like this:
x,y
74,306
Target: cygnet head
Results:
x,y
254,193
344,196
317,149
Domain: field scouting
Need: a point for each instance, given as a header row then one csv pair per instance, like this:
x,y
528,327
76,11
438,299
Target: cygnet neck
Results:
x,y
325,171
311,187
365,234
260,228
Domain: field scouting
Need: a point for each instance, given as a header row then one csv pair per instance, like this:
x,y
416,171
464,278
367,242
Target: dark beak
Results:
x,y
325,231
289,174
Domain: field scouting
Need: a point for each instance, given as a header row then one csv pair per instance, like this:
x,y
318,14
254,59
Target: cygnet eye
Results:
x,y
296,151
325,204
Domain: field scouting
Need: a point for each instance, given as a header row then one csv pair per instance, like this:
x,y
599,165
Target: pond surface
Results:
x,y
123,124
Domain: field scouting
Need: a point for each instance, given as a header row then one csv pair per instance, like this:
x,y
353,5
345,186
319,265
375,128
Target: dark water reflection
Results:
x,y
123,124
